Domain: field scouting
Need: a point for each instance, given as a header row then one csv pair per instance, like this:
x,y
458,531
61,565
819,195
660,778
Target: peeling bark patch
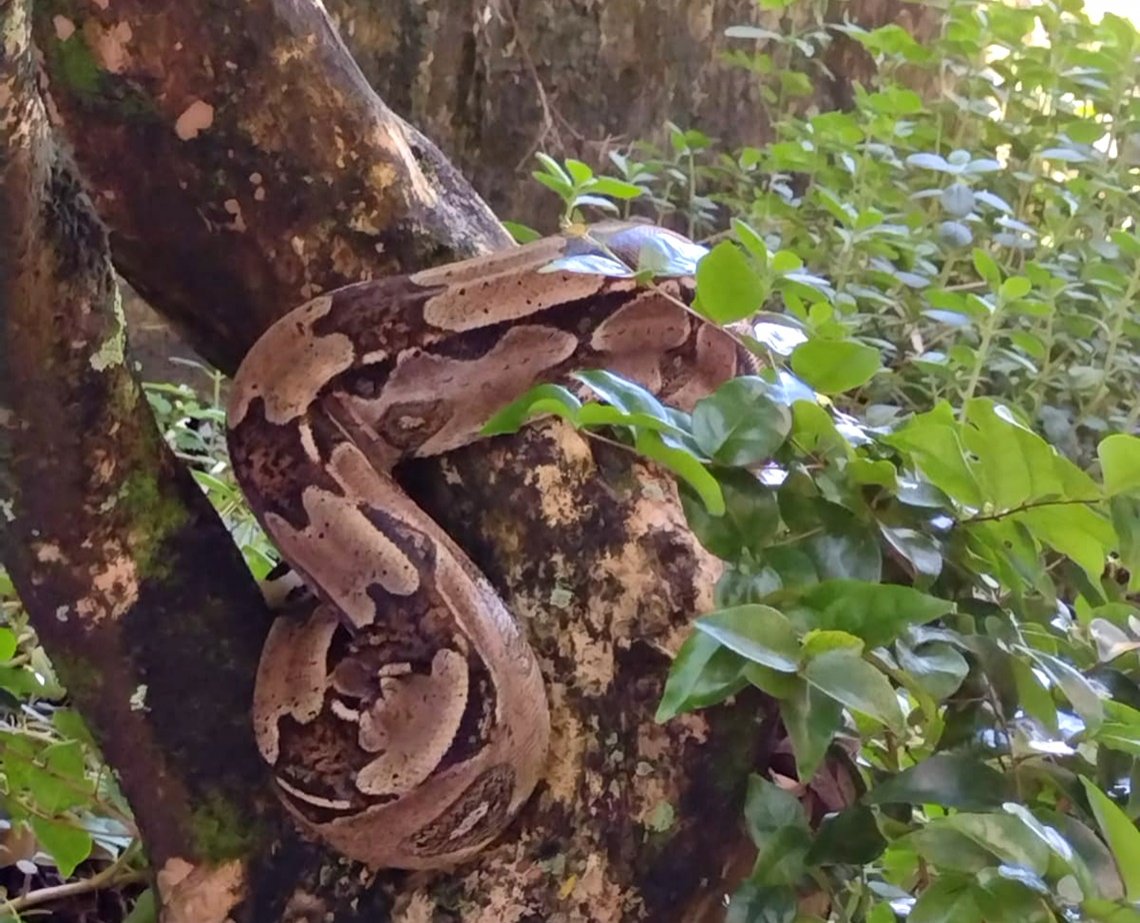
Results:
x,y
202,893
109,46
114,588
195,118
64,27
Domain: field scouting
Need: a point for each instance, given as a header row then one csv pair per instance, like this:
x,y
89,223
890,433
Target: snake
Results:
x,y
403,713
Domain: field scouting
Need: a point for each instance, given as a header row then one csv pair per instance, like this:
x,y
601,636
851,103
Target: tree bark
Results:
x,y
493,82
242,166
106,536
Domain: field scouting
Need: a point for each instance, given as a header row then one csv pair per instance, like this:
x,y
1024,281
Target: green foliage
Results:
x,y
928,503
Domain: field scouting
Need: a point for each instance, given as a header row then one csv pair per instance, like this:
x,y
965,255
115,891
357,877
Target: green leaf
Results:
x,y
1078,532
579,172
538,401
624,394
1014,465
949,779
144,910
553,167
58,778
1107,912
1120,463
757,633
1003,835
703,673
1121,834
616,188
778,826
753,903
818,641
685,466
8,643
949,900
938,668
1015,287
564,190
919,549
1126,522
66,844
750,521
1078,690
933,440
1032,695
522,235
946,848
739,424
835,366
728,286
850,680
875,612
751,239
987,268
811,720
850,837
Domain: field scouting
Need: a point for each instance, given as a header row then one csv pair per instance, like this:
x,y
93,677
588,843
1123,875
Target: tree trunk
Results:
x,y
493,82
242,166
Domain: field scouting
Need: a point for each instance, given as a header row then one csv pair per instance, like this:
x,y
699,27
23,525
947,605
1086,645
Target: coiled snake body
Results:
x,y
405,717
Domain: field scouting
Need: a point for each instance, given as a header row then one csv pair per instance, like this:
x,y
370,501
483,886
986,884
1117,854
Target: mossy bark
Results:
x,y
243,165
105,535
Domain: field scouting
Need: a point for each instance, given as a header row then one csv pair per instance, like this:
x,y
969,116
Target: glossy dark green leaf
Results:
x,y
949,779
850,680
624,394
949,900
1032,695
739,424
684,466
876,612
751,518
753,903
778,826
1121,834
938,668
812,720
703,673
948,849
845,549
850,837
538,401
757,633
835,366
1003,835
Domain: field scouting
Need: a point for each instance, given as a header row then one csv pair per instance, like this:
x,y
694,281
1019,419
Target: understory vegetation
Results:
x,y
928,502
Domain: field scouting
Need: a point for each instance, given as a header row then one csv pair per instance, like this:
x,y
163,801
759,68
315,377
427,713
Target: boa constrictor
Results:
x,y
405,716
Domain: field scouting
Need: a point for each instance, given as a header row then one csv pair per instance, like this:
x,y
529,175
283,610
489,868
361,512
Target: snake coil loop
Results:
x,y
405,716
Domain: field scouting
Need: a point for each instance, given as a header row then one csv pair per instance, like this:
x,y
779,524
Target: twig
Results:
x,y
113,874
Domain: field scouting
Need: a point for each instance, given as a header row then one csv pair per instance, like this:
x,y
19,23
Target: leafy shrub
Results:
x,y
928,504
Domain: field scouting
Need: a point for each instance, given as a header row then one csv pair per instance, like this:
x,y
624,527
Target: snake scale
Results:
x,y
404,715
